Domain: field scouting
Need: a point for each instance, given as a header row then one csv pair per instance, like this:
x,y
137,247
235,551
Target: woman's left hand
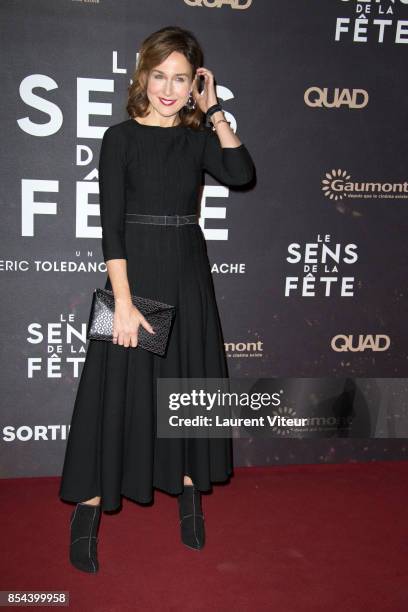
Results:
x,y
208,96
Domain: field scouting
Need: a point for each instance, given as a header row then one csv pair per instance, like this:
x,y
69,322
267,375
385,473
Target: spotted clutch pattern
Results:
x,y
159,315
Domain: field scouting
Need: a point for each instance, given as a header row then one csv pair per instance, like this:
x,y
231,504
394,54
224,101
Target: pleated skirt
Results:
x,y
112,447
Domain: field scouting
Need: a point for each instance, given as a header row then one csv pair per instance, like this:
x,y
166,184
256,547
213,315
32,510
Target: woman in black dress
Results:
x,y
150,171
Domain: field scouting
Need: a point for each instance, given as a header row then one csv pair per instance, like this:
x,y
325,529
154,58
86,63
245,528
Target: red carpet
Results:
x,y
286,539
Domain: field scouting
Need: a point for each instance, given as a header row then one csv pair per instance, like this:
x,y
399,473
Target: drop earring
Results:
x,y
191,103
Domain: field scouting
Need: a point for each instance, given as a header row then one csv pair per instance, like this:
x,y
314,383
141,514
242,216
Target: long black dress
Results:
x,y
112,448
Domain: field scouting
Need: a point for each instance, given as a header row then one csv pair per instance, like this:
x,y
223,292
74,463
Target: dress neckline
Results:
x,y
160,127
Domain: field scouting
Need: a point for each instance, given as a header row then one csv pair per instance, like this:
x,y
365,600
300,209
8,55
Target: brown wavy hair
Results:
x,y
154,50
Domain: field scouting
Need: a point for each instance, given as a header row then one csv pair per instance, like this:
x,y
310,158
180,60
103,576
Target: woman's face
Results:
x,y
170,82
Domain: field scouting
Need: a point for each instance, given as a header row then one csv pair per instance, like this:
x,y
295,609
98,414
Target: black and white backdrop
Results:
x,y
309,264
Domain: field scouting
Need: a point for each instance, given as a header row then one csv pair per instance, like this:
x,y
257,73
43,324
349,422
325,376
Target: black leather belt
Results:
x,y
161,219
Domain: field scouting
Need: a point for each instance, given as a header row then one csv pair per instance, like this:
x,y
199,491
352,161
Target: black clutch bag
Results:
x,y
159,315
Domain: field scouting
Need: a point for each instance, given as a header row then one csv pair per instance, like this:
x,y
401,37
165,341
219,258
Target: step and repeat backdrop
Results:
x,y
309,263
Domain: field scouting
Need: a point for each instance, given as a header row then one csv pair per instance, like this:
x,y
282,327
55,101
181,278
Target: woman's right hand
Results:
x,y
126,321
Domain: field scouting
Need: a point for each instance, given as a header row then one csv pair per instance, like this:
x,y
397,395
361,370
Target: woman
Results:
x,y
150,169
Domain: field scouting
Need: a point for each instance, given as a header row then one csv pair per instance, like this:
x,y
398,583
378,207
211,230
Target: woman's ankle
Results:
x,y
93,501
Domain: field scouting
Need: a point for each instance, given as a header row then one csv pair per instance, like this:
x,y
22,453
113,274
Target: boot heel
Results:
x,y
84,525
191,518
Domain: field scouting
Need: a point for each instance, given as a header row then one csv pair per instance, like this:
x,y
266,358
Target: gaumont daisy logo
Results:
x,y
282,411
333,184
338,185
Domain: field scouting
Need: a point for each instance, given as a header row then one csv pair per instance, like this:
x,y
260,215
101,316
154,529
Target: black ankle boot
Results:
x,y
191,517
84,527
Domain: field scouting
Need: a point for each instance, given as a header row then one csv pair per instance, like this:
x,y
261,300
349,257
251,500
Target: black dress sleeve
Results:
x,y
112,193
229,165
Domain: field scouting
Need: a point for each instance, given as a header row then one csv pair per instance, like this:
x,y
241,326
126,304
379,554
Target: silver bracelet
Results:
x,y
220,121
